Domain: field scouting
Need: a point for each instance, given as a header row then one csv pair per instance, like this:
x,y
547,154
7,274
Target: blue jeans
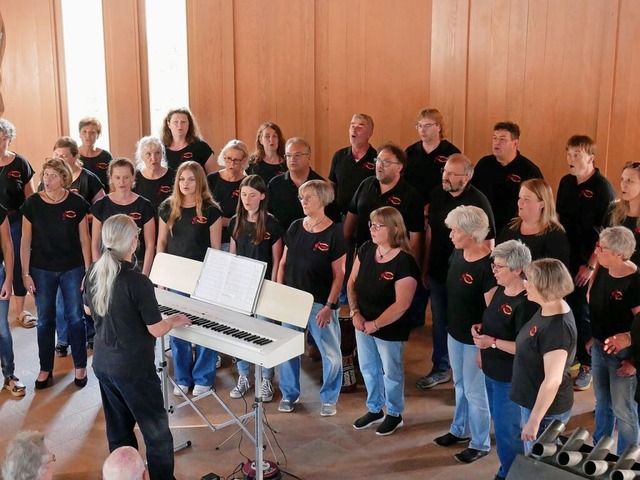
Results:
x,y
615,402
190,370
328,341
243,365
130,400
471,416
383,373
6,341
47,284
439,302
506,423
15,226
525,414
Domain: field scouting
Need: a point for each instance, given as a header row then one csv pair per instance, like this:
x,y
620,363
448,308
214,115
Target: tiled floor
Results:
x,y
305,444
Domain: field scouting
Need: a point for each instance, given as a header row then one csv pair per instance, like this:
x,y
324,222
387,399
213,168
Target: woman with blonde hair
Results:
x,y
190,223
128,321
626,210
267,160
380,290
182,141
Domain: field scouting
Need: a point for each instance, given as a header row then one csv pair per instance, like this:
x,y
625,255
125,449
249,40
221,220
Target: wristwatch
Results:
x,y
353,312
493,344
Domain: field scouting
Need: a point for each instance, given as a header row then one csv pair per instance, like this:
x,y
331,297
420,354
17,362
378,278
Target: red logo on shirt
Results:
x,y
323,247
69,214
533,331
636,230
235,193
394,200
616,295
441,159
164,189
267,236
187,155
200,220
135,215
506,309
466,278
13,174
586,193
369,165
102,166
512,177
386,276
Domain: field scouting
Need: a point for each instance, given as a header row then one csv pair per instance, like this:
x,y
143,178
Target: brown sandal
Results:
x,y
27,319
12,383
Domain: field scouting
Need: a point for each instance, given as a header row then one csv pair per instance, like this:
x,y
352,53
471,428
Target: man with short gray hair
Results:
x,y
124,463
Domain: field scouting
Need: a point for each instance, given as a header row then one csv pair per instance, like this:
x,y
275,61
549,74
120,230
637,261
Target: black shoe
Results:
x,y
62,350
470,455
367,420
389,425
81,382
46,383
449,439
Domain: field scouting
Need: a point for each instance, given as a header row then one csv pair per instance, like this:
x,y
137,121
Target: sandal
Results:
x,y
27,320
12,383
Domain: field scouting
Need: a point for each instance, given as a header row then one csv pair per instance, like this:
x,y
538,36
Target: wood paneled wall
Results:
x,y
555,68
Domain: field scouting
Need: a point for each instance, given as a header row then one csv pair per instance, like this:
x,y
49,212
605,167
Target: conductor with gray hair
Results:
x,y
28,458
124,463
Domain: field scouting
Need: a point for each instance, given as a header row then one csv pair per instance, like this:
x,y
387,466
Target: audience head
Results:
x,y
298,155
456,174
58,167
124,463
90,129
360,129
616,244
547,280
150,153
581,151
387,227
179,122
7,129
506,138
234,155
509,260
316,188
390,162
28,458
269,137
430,125
122,174
469,225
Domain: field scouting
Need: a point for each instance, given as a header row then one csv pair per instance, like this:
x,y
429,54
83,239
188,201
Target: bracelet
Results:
x,y
332,306
26,275
375,325
628,334
591,268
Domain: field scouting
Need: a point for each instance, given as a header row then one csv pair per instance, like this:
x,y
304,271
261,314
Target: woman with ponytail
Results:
x,y
127,318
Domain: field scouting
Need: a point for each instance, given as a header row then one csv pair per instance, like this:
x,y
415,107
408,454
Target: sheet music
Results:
x,y
230,281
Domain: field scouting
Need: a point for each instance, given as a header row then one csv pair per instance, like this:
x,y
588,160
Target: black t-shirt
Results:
x,y
376,291
190,236
539,336
140,210
467,282
13,178
199,152
156,190
87,185
503,319
227,195
55,233
402,197
424,170
262,251
265,170
123,346
501,184
441,204
348,174
99,166
551,244
610,303
3,215
582,209
309,258
282,195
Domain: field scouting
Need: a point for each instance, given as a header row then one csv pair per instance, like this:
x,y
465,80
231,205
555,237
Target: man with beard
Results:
x,y
454,191
387,189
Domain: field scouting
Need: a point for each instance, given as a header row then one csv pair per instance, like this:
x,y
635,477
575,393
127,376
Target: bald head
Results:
x,y
124,463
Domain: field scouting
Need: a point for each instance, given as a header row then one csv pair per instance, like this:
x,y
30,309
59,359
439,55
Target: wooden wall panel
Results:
x,y
30,78
126,74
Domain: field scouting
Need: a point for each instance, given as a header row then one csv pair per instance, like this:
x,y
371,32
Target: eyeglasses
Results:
x,y
306,198
376,226
234,161
601,247
421,126
495,266
444,171
385,163
296,156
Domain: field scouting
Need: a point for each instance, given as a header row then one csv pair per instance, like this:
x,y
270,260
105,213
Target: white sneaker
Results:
x,y
200,389
266,390
219,361
177,388
241,388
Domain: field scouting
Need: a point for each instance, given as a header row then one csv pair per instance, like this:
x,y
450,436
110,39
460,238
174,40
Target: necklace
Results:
x,y
382,255
53,200
315,224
